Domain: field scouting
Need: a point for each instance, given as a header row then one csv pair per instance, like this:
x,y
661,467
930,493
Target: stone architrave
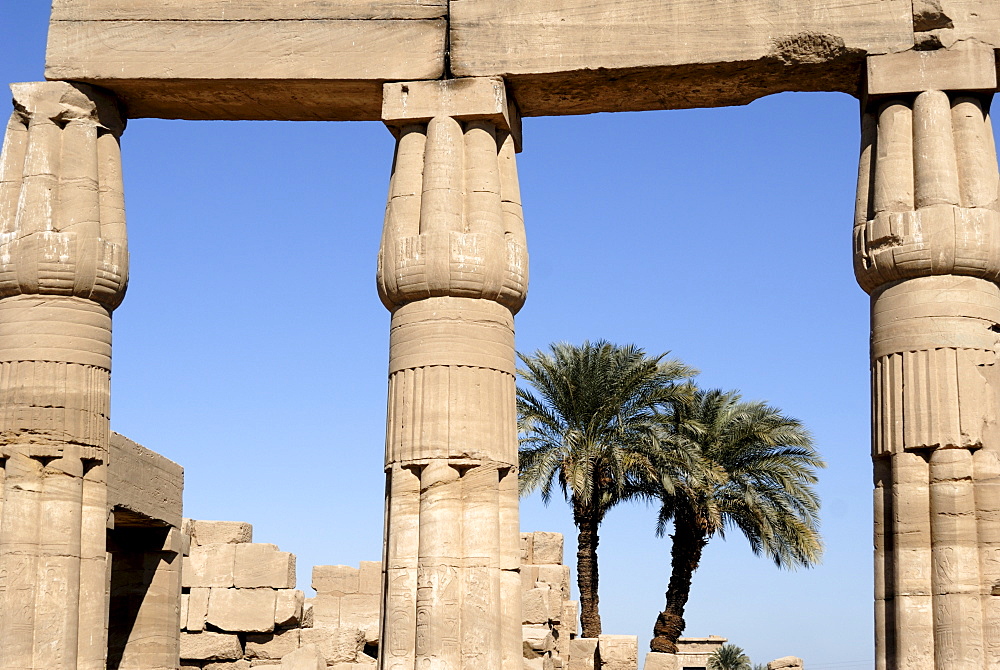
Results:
x,y
453,270
927,250
63,269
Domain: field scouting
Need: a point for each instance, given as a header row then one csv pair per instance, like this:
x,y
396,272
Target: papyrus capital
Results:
x,y
927,190
453,223
62,102
62,209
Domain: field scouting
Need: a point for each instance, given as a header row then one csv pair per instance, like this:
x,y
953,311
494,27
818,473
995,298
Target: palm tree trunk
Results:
x,y
685,554
587,523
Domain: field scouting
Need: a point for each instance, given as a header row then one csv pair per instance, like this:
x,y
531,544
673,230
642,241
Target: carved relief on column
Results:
x,y
63,269
453,271
927,249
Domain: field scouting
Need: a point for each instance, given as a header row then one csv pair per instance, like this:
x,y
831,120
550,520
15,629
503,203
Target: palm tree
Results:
x,y
728,657
592,430
755,472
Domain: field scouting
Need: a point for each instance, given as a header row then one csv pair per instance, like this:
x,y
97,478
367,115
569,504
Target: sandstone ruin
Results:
x,y
239,606
240,609
89,557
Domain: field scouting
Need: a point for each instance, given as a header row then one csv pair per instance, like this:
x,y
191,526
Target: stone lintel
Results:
x,y
282,69
466,98
328,59
144,488
968,66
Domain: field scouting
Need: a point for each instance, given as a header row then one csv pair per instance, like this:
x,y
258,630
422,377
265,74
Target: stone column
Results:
x,y
453,270
63,269
927,250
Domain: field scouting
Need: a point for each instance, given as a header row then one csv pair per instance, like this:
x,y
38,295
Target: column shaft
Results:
x,y
63,269
927,249
453,271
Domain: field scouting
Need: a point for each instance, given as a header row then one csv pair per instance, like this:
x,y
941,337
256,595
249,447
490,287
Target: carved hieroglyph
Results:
x,y
927,249
453,271
63,269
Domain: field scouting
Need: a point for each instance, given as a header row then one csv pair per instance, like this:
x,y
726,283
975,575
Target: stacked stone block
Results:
x,y
240,608
348,597
237,597
607,652
548,615
549,630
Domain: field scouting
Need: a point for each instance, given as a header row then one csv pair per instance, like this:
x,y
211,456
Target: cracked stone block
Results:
x,y
308,616
338,645
220,532
556,576
242,610
361,610
547,548
335,580
537,641
210,565
367,664
535,605
526,548
288,607
210,647
529,575
326,611
570,617
197,614
370,577
582,653
272,646
228,665
659,661
263,566
308,657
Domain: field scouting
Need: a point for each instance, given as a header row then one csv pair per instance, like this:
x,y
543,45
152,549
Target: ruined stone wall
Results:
x,y
239,604
240,607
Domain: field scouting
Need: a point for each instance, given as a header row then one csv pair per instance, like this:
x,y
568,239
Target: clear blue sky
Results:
x,y
251,347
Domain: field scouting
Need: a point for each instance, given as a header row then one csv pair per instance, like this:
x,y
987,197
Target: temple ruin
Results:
x,y
90,536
